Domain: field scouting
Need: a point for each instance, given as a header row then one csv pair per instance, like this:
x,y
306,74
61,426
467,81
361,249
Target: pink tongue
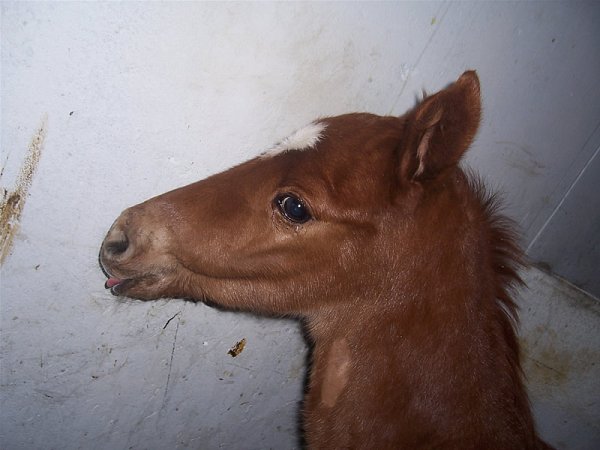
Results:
x,y
112,282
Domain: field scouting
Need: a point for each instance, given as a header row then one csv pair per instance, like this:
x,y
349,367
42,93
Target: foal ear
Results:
x,y
440,129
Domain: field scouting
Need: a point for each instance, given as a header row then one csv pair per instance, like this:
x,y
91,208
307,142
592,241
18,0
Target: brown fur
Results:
x,y
403,276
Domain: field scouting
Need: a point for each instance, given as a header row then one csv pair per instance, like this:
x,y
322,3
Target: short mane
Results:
x,y
507,259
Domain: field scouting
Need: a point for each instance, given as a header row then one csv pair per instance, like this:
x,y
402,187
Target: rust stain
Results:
x,y
237,348
13,202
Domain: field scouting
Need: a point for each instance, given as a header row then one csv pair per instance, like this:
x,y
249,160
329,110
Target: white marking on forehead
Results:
x,y
302,139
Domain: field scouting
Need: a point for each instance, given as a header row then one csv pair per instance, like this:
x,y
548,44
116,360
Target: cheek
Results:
x,y
325,252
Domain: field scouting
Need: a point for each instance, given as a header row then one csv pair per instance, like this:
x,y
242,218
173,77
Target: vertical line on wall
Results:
x,y
560,203
418,60
172,354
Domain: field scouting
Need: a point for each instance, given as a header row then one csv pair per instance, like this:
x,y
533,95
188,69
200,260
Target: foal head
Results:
x,y
345,207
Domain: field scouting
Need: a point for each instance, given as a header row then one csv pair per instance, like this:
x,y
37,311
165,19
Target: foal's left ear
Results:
x,y
440,129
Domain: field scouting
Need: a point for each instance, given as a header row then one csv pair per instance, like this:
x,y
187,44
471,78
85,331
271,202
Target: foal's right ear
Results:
x,y
440,129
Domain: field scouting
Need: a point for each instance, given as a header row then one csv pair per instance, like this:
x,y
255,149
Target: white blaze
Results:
x,y
302,139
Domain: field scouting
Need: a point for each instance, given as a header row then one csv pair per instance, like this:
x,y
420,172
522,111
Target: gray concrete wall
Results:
x,y
106,104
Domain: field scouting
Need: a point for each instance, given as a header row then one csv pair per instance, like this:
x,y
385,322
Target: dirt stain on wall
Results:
x,y
237,348
13,201
549,362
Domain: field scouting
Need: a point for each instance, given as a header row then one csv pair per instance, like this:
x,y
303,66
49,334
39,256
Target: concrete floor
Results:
x,y
560,331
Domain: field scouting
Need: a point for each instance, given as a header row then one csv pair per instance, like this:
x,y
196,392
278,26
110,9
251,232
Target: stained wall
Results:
x,y
106,104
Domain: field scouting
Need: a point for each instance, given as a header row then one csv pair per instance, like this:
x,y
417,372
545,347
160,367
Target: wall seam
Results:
x,y
418,60
562,200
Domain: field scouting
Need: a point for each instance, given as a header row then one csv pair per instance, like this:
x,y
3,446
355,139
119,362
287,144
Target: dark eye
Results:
x,y
293,208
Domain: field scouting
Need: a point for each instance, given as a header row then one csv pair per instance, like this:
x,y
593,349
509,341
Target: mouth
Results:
x,y
140,287
117,285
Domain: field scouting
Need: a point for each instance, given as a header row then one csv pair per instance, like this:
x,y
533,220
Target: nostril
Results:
x,y
117,245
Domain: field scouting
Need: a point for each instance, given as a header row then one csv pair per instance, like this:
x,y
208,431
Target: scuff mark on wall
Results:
x,y
13,201
521,157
